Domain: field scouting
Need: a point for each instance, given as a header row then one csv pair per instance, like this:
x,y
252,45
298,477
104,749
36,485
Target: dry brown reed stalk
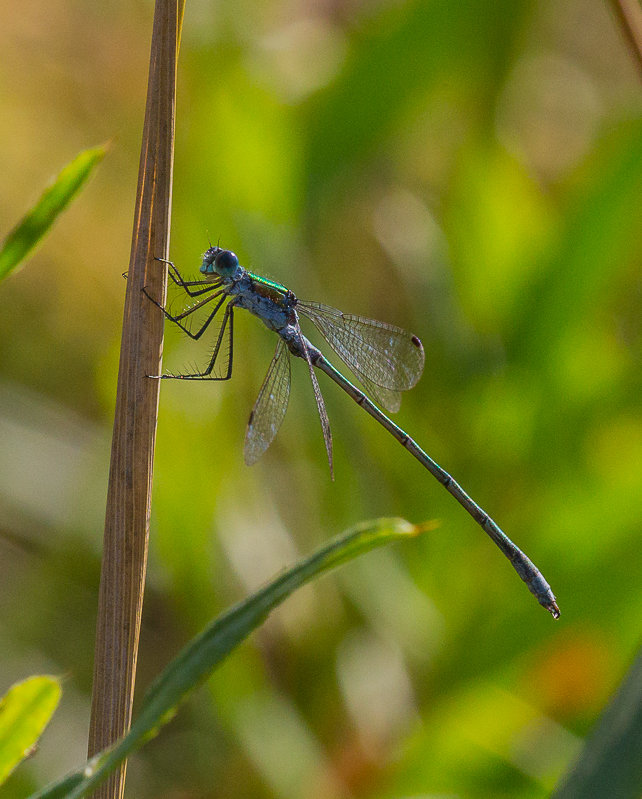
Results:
x,y
629,15
130,478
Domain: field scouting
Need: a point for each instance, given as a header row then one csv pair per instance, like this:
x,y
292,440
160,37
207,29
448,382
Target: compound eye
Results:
x,y
226,262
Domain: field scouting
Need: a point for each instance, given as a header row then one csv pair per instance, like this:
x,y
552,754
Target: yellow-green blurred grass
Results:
x,y
459,210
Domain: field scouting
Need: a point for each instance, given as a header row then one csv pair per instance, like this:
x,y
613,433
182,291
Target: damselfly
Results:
x,y
386,359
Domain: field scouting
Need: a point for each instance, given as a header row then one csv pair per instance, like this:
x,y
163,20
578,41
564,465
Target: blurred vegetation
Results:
x,y
470,171
206,651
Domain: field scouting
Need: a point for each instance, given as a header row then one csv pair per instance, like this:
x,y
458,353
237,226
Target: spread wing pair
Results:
x,y
386,359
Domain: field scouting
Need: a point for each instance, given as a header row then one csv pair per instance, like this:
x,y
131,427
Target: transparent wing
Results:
x,y
270,406
388,399
323,414
385,358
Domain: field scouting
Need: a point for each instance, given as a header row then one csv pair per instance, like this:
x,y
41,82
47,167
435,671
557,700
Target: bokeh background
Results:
x,y
471,171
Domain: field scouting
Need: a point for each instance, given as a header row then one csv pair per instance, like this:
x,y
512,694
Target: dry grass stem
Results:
x,y
130,479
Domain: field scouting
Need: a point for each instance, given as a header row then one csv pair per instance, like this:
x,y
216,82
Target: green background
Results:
x,y
471,171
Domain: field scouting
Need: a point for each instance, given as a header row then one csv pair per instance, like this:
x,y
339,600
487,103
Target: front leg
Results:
x,y
187,285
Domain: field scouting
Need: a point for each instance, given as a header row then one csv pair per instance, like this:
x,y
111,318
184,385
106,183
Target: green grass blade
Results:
x,y
33,226
25,711
205,652
611,762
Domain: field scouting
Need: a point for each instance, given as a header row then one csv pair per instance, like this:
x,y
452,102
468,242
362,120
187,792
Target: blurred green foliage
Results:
x,y
471,171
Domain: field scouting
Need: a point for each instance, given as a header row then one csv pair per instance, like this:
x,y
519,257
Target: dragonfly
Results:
x,y
386,359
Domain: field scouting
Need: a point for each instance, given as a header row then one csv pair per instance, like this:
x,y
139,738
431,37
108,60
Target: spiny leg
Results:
x,y
227,324
177,319
185,284
177,278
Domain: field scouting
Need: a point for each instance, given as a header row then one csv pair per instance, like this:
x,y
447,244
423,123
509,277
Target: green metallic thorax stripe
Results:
x,y
270,283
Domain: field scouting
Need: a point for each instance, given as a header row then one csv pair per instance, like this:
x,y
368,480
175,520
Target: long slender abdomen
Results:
x,y
526,569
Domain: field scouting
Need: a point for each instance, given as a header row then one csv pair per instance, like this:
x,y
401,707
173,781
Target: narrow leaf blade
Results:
x,y
610,763
205,652
33,226
25,711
